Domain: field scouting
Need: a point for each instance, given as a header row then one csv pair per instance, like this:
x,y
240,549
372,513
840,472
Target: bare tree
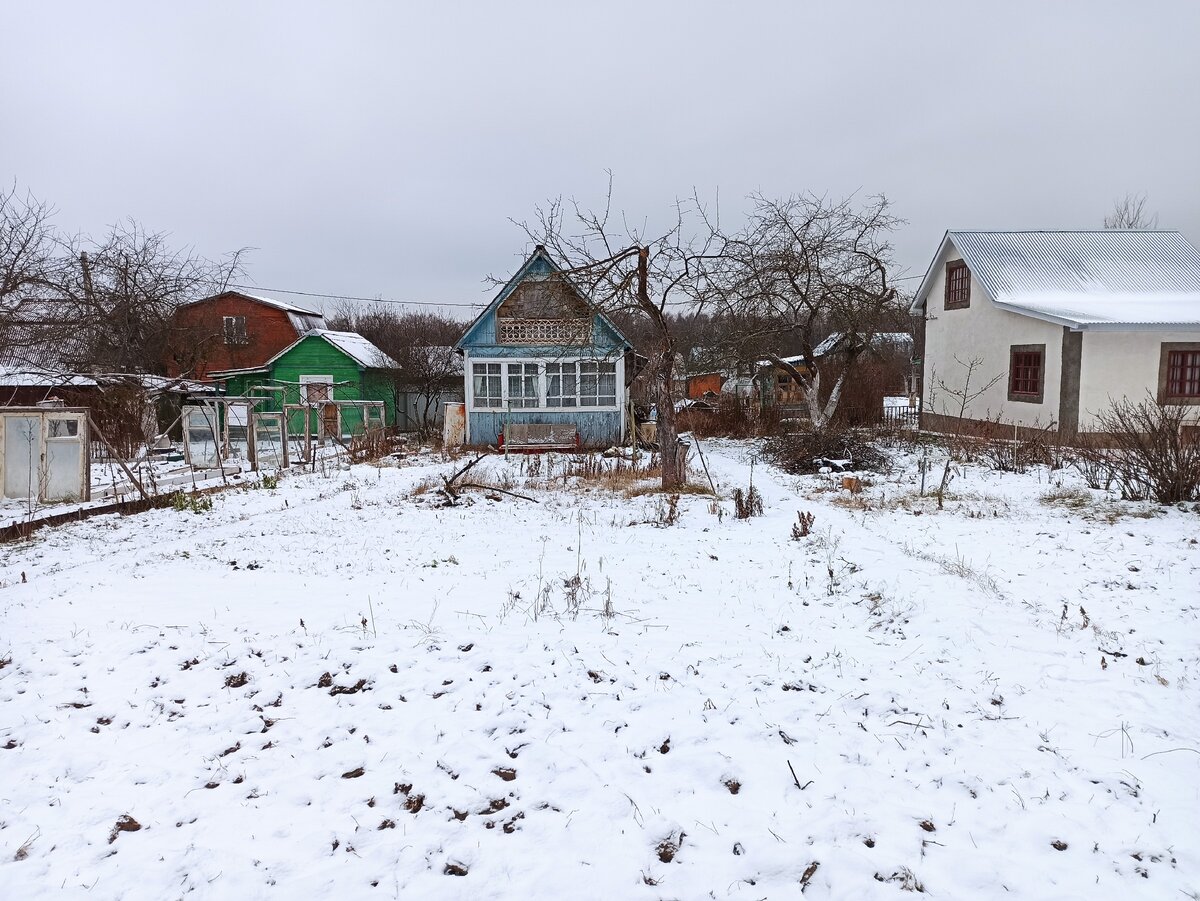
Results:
x,y
625,269
1130,212
420,357
806,267
122,294
29,270
27,247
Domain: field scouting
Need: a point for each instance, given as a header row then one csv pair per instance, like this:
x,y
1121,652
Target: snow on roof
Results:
x,y
269,301
1082,279
38,377
352,344
899,339
831,343
359,348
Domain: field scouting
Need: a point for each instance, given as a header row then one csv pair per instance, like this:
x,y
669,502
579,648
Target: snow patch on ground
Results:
x,y
339,687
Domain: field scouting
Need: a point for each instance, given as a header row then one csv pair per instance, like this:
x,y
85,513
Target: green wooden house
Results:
x,y
329,384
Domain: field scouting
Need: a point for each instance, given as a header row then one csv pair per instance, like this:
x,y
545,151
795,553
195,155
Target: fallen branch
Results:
x,y
523,497
449,488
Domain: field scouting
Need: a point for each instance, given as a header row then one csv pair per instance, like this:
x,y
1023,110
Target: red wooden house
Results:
x,y
234,330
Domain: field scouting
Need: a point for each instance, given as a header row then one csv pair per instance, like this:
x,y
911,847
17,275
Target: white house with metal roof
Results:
x,y
1065,322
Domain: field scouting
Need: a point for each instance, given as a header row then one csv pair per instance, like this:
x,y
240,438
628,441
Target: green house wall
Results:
x,y
313,355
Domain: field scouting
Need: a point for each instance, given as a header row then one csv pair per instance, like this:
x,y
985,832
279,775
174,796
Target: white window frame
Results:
x,y
306,380
542,381
470,368
233,335
524,401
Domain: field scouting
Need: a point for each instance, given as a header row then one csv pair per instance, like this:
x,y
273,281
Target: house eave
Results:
x,y
1078,325
223,374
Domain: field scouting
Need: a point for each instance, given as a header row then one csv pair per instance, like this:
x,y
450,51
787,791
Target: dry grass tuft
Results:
x,y
1072,498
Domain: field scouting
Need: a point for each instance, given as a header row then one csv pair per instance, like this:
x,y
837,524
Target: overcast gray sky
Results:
x,y
381,148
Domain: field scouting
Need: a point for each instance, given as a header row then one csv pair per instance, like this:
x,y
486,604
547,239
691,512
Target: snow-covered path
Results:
x,y
899,699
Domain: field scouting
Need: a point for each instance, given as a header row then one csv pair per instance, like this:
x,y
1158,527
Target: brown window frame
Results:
x,y
1167,350
958,289
1016,371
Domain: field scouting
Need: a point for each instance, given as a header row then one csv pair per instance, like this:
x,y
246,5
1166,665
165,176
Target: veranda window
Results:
x,y
487,385
597,384
562,384
523,385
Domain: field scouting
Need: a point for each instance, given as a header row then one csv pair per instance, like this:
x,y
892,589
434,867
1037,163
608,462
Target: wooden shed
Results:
x,y
326,383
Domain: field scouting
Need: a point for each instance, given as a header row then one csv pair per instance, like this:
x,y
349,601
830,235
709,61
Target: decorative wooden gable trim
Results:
x,y
539,307
544,311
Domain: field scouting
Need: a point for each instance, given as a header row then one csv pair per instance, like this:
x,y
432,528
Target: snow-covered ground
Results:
x,y
338,688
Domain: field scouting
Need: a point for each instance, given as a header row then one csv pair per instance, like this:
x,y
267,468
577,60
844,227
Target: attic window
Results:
x,y
235,330
958,285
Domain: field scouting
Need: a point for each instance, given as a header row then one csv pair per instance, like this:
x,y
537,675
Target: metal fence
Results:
x,y
900,417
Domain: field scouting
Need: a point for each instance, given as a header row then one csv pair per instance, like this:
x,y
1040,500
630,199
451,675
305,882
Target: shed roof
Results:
x,y
1107,279
878,340
352,344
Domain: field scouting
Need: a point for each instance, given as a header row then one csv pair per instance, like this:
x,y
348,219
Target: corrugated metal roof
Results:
x,y
1082,278
1098,262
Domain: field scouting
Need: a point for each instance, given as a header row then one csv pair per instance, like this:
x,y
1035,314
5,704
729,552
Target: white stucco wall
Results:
x,y
987,332
1121,364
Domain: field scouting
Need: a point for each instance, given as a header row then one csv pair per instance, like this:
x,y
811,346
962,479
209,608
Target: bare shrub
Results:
x,y
805,452
803,527
1090,459
368,446
1151,450
1017,454
747,503
731,419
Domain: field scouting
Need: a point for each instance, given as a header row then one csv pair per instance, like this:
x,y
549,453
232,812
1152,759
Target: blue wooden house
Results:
x,y
542,366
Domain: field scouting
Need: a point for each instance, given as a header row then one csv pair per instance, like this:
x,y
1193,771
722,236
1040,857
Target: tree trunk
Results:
x,y
673,474
668,441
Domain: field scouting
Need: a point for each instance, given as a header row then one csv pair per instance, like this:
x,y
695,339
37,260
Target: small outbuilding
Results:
x,y
44,454
326,385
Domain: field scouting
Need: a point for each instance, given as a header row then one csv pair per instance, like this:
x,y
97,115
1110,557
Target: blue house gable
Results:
x,y
542,354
